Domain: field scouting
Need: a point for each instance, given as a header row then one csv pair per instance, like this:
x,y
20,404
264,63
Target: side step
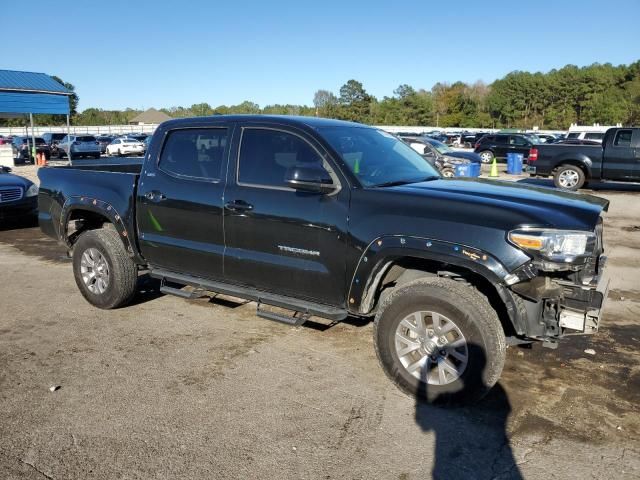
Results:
x,y
197,293
294,320
305,308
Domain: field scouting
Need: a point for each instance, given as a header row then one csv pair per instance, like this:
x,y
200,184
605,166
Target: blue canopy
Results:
x,y
29,92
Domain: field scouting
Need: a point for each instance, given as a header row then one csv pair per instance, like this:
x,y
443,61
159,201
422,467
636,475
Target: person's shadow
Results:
x,y
471,441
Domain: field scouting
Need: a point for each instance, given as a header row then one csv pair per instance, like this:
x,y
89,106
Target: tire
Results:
x,y
486,156
121,271
476,325
569,177
448,173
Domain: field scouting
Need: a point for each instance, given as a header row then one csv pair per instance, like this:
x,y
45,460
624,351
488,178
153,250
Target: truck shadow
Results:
x,y
471,441
595,186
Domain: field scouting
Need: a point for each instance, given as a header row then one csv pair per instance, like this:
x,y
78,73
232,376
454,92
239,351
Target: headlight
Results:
x,y
563,246
32,191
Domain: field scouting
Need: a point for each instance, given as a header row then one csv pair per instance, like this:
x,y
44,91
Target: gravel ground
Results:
x,y
169,388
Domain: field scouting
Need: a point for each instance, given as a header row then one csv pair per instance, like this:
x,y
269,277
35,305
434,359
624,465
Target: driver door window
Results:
x,y
266,156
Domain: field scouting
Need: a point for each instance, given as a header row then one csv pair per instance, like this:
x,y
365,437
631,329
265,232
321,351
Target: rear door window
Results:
x,y
623,138
194,152
502,139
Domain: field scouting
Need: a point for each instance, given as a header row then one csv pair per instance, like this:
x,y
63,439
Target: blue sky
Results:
x,y
144,54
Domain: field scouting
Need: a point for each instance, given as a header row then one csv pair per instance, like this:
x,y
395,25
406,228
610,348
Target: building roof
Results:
x,y
11,80
150,116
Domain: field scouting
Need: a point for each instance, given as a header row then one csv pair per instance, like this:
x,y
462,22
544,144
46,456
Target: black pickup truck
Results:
x,y
573,166
334,219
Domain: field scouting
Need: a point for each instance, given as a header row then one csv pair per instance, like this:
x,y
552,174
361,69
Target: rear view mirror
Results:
x,y
310,178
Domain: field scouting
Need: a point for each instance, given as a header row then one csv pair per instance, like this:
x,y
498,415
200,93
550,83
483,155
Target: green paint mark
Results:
x,y
154,222
356,167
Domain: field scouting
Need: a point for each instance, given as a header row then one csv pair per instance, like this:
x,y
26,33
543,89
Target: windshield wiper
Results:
x,y
395,183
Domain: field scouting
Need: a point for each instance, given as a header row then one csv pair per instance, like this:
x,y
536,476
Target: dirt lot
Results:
x,y
169,388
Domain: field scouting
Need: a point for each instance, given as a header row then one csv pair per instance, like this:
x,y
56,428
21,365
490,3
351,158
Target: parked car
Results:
x,y
53,139
545,137
445,164
335,219
22,148
4,140
498,145
18,196
572,166
450,152
575,141
104,140
77,146
581,135
125,146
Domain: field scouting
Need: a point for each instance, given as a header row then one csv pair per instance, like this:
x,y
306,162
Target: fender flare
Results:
x,y
94,205
384,251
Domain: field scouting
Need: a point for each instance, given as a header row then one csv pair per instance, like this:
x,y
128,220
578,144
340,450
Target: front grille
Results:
x,y
10,194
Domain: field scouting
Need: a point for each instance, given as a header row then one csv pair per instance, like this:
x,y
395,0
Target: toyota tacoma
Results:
x,y
335,219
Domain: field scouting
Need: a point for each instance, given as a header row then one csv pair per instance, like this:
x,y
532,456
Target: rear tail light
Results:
x,y
533,155
476,145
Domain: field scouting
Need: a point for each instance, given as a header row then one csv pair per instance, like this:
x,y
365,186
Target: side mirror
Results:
x,y
309,179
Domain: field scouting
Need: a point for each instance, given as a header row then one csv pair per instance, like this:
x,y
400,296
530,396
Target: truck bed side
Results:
x,y
107,192
552,156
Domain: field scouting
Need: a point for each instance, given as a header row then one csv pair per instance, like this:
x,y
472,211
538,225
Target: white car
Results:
x,y
125,146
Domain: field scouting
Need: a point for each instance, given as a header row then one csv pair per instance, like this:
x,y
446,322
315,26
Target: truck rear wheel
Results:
x,y
440,341
104,272
569,177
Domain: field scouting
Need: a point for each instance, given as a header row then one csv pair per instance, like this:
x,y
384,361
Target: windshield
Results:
x,y
377,158
440,147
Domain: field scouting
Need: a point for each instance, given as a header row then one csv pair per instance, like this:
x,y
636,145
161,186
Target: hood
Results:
x,y
507,205
11,180
473,157
451,160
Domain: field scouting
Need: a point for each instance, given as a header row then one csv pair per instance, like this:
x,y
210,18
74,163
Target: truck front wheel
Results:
x,y
569,177
440,341
104,272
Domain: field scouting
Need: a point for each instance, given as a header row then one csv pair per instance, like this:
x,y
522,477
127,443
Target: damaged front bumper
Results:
x,y
555,306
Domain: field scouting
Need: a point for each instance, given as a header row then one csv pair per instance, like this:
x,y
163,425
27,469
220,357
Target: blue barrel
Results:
x,y
514,163
463,170
475,169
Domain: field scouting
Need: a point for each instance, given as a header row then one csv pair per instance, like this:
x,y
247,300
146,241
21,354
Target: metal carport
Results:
x,y
24,93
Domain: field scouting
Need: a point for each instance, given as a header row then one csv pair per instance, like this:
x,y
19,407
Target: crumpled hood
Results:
x,y
506,204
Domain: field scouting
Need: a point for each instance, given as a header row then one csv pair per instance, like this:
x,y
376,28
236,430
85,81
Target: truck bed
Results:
x,y
108,189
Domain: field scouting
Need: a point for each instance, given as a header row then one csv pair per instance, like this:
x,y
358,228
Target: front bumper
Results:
x,y
24,208
553,306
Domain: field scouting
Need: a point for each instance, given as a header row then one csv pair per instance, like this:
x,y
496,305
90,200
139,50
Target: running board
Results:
x,y
305,308
198,293
294,320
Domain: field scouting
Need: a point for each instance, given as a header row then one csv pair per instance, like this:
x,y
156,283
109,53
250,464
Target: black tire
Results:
x,y
448,172
475,319
486,156
565,172
123,272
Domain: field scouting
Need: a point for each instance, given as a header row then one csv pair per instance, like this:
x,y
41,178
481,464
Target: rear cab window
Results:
x,y
195,153
623,138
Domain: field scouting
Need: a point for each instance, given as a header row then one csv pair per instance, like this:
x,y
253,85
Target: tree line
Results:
x,y
598,93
